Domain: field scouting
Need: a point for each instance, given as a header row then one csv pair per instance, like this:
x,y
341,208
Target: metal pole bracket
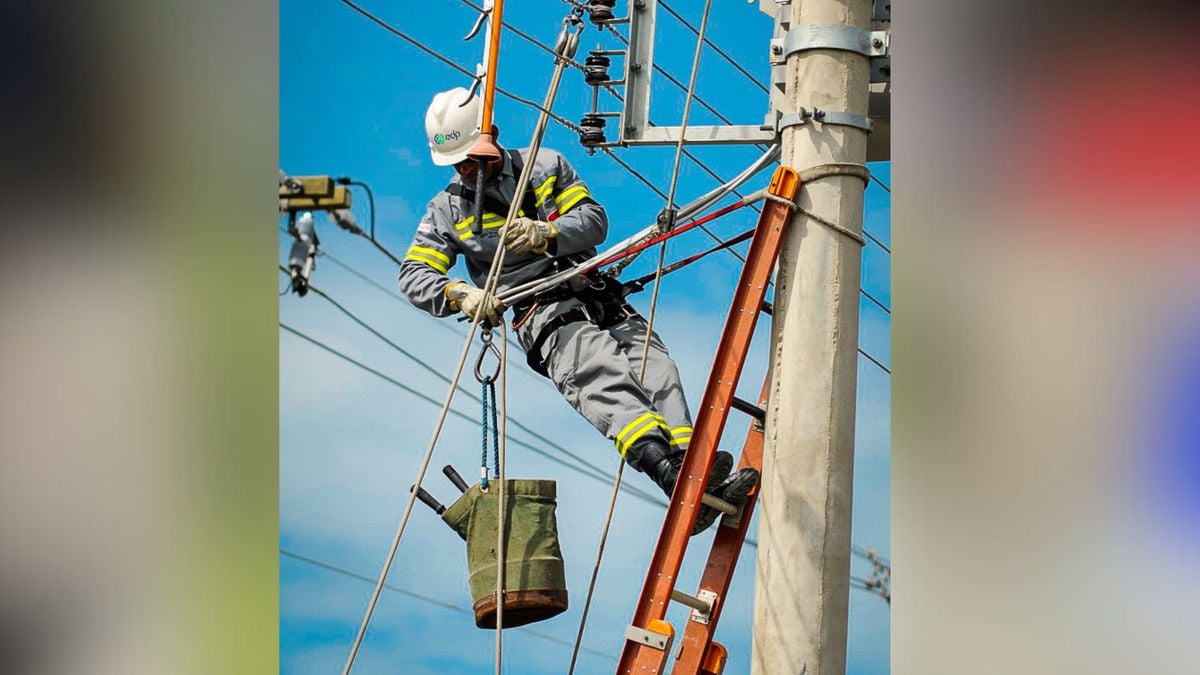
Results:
x,y
820,36
836,117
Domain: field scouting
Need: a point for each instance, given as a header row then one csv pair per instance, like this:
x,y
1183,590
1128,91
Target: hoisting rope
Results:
x,y
667,226
488,405
568,41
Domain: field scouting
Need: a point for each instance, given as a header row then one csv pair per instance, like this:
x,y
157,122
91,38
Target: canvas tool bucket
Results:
x,y
535,586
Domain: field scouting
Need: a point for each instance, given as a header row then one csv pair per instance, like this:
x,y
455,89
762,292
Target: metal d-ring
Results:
x,y
488,346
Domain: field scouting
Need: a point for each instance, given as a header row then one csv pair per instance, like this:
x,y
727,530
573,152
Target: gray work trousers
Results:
x,y
597,370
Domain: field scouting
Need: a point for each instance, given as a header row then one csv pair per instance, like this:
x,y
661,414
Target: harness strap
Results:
x,y
534,355
604,306
495,204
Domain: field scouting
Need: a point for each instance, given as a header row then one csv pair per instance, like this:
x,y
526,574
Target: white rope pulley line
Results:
x,y
501,555
662,251
816,173
489,286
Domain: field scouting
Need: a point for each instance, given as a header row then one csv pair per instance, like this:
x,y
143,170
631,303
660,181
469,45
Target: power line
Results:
x,y
878,243
563,121
403,300
714,47
431,52
543,46
872,359
429,399
427,599
874,300
753,543
436,373
881,184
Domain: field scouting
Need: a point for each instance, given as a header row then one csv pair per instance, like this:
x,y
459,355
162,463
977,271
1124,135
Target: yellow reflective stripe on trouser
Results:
x,y
432,257
638,428
570,197
543,191
681,435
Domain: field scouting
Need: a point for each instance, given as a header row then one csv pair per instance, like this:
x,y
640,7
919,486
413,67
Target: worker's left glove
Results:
x,y
525,235
474,302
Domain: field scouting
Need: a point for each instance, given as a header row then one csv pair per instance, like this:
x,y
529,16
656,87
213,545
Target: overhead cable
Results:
x,y
460,415
428,50
733,62
329,567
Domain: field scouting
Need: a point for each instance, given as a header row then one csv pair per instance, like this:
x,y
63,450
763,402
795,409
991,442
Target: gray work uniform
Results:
x,y
596,369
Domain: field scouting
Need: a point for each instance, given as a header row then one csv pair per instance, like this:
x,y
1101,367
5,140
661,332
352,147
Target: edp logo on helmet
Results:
x,y
442,138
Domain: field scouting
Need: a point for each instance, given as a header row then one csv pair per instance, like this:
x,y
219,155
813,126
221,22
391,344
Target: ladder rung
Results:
x,y
719,504
691,601
767,308
750,409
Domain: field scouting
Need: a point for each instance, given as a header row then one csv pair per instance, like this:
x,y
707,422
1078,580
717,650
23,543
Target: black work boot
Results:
x,y
662,464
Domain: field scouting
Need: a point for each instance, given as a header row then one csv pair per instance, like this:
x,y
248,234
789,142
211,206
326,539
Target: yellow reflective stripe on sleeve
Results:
x,y
570,197
681,435
638,428
490,221
544,190
431,252
435,259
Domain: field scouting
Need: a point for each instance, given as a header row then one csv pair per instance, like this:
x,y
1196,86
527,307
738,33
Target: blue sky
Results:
x,y
352,101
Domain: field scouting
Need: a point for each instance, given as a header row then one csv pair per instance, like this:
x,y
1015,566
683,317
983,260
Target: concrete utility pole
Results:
x,y
801,598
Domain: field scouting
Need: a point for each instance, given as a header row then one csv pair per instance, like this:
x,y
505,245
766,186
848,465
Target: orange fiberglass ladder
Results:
x,y
650,637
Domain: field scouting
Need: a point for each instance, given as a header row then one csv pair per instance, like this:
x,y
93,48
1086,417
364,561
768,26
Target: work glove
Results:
x,y
474,301
526,235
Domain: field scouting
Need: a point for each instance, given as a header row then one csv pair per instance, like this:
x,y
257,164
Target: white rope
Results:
x,y
816,173
501,539
489,287
662,252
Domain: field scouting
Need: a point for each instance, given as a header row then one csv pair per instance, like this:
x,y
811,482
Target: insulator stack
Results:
x,y
595,69
591,131
601,10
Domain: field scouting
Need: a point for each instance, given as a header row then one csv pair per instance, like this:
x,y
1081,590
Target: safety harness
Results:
x,y
494,204
603,297
603,300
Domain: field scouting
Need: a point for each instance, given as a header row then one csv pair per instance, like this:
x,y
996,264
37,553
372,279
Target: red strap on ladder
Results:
x,y
648,639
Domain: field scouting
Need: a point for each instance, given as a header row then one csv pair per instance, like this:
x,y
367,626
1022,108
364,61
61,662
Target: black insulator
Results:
x,y
601,10
591,130
595,69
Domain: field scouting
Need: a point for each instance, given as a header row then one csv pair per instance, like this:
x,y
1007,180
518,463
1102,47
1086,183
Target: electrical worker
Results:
x,y
583,335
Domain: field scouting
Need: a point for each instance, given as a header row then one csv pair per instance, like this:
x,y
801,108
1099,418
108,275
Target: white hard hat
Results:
x,y
452,128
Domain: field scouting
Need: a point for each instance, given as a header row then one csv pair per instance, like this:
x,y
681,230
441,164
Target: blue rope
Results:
x,y
483,463
495,429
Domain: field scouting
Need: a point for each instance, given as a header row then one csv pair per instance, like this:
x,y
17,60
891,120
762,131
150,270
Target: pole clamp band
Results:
x,y
827,36
837,117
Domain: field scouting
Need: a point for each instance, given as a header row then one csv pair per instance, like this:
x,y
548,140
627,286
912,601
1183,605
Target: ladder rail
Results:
x,y
722,560
638,658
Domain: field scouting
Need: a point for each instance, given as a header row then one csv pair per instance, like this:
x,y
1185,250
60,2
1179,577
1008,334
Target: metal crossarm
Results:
x,y
639,657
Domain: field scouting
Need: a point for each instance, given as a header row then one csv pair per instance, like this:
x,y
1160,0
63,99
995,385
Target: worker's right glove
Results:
x,y
526,235
474,302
